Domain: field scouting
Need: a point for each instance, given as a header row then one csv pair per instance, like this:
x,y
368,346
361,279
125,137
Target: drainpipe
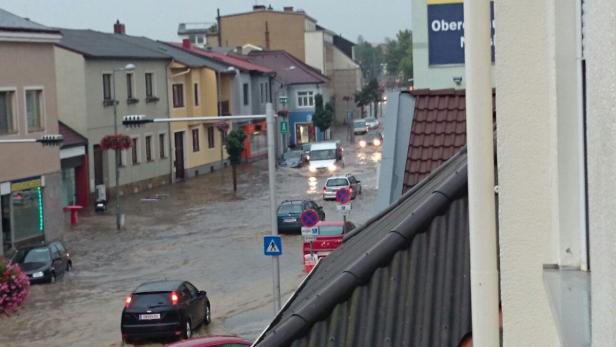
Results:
x,y
181,73
482,210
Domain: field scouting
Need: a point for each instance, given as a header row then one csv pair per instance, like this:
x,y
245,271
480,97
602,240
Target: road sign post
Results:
x,y
343,198
309,220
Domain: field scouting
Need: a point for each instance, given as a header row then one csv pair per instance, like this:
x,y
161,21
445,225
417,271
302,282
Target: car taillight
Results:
x,y
174,298
350,190
128,300
324,189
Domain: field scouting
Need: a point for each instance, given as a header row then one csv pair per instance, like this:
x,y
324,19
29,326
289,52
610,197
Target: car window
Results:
x,y
351,179
337,182
193,291
313,205
149,300
290,208
60,247
55,251
34,255
350,226
185,292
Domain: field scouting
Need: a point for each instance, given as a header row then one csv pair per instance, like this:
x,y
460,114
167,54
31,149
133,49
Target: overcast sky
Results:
x,y
374,20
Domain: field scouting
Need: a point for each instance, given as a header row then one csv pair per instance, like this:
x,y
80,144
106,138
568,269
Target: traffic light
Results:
x,y
51,140
134,121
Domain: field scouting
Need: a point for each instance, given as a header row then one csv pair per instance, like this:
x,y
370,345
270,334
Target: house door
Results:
x,y
179,155
98,165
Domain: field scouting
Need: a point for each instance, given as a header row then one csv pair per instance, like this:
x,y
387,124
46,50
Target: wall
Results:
x,y
286,31
26,65
100,119
345,81
315,54
526,115
600,41
70,71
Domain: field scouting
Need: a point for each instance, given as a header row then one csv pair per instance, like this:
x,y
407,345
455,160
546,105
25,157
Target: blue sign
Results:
x,y
343,195
272,245
309,218
446,32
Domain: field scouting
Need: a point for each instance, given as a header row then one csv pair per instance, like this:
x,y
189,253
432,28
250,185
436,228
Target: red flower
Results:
x,y
119,142
14,287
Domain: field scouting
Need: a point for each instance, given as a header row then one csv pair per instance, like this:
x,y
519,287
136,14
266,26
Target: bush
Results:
x,y
14,287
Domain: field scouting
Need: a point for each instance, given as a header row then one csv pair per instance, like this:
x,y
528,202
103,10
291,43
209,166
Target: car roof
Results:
x,y
330,223
323,145
293,202
158,286
346,177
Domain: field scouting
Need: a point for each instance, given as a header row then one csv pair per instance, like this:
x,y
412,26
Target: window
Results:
x,y
149,88
195,139
267,92
7,112
34,109
107,86
196,92
262,87
210,137
245,90
129,86
135,151
305,99
178,95
148,148
161,146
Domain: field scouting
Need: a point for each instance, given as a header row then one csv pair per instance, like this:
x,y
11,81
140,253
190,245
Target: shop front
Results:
x,y
23,218
302,130
255,144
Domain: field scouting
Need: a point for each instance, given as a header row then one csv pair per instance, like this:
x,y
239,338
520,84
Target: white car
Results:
x,y
372,123
360,126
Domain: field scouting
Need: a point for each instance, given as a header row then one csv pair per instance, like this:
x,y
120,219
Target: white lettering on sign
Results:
x,y
462,42
442,25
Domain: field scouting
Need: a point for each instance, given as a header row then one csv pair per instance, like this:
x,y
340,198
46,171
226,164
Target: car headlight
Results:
x,y
307,157
377,142
332,168
362,143
312,169
37,274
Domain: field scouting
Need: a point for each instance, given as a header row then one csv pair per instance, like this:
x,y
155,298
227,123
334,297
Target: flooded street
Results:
x,y
198,231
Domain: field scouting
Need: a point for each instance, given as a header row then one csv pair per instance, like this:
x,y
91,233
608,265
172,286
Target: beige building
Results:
x,y
30,179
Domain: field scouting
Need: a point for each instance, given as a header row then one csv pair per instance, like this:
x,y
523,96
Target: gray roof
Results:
x,y
403,279
158,286
175,53
96,44
11,22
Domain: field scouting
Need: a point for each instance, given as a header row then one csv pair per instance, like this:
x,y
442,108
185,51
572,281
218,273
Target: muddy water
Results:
x,y
198,231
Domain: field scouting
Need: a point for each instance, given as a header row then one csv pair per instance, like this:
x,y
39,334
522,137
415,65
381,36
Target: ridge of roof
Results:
x,y
314,73
12,22
426,201
98,44
304,14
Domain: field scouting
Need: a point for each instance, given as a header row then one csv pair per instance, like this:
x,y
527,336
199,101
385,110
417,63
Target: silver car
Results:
x,y
335,183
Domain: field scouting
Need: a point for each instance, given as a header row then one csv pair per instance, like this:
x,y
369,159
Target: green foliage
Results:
x,y
399,56
323,116
369,93
370,59
235,145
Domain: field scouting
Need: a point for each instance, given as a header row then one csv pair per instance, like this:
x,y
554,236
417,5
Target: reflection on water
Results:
x,y
361,157
376,157
312,185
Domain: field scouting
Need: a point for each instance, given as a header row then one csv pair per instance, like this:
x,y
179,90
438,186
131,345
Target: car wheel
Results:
x,y
127,340
52,279
208,314
187,330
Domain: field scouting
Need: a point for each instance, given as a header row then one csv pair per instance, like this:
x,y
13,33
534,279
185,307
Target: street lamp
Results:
x,y
127,67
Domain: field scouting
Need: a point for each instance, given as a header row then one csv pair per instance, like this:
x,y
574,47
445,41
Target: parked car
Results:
x,y
289,212
360,126
213,341
328,238
333,184
44,263
164,309
371,138
292,159
306,150
325,156
372,123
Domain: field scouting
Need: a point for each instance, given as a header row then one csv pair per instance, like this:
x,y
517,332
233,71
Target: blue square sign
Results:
x,y
272,245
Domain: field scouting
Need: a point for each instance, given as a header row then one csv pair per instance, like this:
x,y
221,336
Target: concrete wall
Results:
x,y
258,107
315,50
346,81
600,44
286,31
70,71
25,65
527,161
100,118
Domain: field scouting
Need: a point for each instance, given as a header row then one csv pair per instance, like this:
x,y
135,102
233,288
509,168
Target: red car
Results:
x,y
213,341
329,238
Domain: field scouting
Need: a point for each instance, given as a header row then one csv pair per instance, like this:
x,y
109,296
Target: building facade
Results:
x,y
30,178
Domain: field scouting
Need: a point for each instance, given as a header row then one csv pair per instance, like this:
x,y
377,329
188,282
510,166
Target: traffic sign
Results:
x,y
309,233
343,196
344,207
272,245
309,218
284,127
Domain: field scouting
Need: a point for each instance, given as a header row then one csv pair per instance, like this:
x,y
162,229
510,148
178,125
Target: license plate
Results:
x,y
289,220
149,316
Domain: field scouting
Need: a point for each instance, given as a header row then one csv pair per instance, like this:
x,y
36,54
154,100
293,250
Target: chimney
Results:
x,y
258,8
288,8
186,43
119,28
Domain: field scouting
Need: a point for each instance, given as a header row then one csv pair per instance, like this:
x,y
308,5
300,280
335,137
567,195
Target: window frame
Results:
x,y
148,156
42,108
194,135
15,109
310,94
162,149
182,95
245,94
130,85
196,91
152,88
135,150
211,139
110,75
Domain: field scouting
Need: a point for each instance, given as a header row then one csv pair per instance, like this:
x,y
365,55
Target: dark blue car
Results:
x,y
290,210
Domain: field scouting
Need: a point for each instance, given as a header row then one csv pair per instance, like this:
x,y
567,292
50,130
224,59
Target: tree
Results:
x,y
323,116
235,147
369,94
370,59
399,55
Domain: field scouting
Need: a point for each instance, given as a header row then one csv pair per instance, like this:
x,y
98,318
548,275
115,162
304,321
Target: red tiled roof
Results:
x,y
71,137
234,61
289,69
438,131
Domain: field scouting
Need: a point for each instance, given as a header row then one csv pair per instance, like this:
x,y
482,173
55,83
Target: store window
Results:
x,y
34,109
7,112
27,213
68,187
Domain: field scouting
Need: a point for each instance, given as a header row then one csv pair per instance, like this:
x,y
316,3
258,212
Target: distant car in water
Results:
x,y
372,123
289,212
333,184
164,309
292,159
44,263
213,341
360,126
372,138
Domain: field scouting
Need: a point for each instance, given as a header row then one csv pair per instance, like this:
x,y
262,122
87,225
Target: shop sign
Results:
x,y
25,185
446,31
284,127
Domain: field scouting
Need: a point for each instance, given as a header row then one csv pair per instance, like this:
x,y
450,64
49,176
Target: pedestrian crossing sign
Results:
x,y
272,245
